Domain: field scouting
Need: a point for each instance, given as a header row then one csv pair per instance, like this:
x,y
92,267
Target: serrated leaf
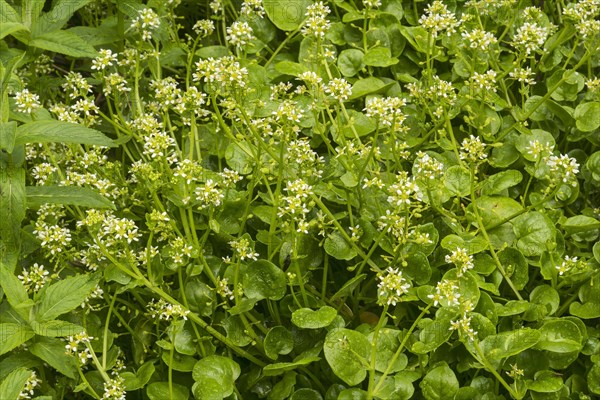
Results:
x,y
52,351
65,295
58,16
56,328
64,42
62,132
66,195
11,386
13,335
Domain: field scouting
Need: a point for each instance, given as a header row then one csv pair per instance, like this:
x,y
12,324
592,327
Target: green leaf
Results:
x,y
64,42
287,15
458,181
7,135
501,181
162,391
379,57
65,295
587,310
435,333
15,291
371,85
66,195
560,336
140,379
8,13
58,16
52,351
214,377
545,382
313,319
439,384
14,382
337,247
350,62
58,131
495,208
546,296
348,287
282,367
290,68
264,280
580,223
587,116
283,389
506,344
347,353
515,265
387,344
8,28
56,328
593,378
278,341
13,335
533,231
12,212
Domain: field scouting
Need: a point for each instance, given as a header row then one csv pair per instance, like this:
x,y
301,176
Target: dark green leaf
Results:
x,y
282,367
287,15
52,351
533,230
337,247
278,341
65,295
509,343
64,42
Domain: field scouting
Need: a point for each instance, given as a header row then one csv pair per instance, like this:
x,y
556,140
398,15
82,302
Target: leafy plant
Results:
x,y
299,200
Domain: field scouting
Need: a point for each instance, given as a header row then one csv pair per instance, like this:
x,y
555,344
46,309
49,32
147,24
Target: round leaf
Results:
x,y
533,231
560,336
287,15
347,353
313,319
215,377
439,383
264,280
278,341
587,116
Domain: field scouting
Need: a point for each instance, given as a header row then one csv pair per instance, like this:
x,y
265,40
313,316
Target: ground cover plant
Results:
x,y
288,199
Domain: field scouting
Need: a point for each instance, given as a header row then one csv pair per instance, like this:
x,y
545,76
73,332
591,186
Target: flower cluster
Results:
x,y
479,39
446,293
339,89
563,168
427,167
30,385
462,259
165,311
387,111
106,58
316,23
472,149
146,22
114,389
239,34
34,278
403,191
438,18
243,249
222,71
391,286
530,37
72,347
26,101
568,265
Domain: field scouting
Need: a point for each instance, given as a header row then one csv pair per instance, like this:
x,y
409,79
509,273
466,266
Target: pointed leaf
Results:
x,y
65,295
58,131
64,42
66,195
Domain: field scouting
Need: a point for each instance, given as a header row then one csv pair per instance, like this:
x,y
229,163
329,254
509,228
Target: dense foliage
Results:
x,y
288,199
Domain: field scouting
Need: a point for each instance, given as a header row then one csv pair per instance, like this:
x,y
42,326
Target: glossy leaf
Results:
x,y
347,353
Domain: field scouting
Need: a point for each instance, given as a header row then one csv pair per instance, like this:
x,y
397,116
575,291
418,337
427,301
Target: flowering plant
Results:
x,y
299,200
